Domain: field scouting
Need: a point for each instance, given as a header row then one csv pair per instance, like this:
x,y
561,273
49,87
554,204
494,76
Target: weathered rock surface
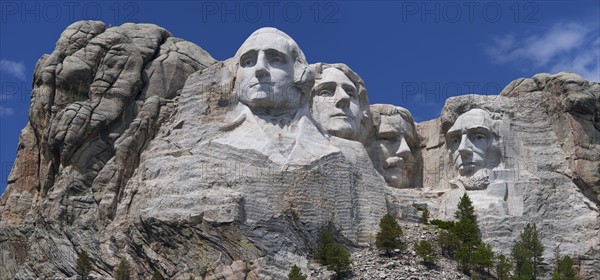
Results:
x,y
137,147
401,264
548,174
96,101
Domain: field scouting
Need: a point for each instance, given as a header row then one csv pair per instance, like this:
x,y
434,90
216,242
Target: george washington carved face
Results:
x,y
271,71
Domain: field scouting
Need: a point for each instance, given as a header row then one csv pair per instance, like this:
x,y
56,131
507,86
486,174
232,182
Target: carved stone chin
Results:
x,y
479,181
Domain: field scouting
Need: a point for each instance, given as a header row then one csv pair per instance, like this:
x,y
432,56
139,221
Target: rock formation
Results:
x,y
546,151
141,146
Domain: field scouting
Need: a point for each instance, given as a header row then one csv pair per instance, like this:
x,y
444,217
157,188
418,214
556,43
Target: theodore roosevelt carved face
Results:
x,y
395,144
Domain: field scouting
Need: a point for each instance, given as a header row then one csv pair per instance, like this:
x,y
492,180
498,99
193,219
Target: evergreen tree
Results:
x,y
467,232
388,235
447,225
464,256
325,241
523,269
483,257
564,268
338,260
295,274
425,216
427,252
334,256
83,264
449,243
122,272
527,254
503,267
466,209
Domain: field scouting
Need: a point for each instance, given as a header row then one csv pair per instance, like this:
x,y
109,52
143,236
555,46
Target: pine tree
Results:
x,y
388,235
325,241
425,216
338,260
334,256
527,254
83,264
503,267
483,257
467,232
122,272
564,268
427,252
449,243
466,209
296,274
464,256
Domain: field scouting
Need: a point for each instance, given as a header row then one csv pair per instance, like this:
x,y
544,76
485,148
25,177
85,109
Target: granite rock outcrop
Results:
x,y
141,146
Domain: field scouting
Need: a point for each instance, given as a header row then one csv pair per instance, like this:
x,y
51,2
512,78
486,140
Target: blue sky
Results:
x,y
410,53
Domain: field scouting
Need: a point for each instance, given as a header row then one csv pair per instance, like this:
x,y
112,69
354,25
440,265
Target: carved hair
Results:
x,y
377,110
491,120
303,75
358,82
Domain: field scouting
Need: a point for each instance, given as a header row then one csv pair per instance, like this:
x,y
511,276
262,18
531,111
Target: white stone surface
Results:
x,y
235,172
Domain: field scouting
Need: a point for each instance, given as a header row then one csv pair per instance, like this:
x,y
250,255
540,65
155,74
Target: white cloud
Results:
x,y
6,111
566,46
14,68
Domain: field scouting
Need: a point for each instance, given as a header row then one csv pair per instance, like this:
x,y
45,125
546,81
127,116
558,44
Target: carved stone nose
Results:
x,y
404,150
465,147
261,66
342,99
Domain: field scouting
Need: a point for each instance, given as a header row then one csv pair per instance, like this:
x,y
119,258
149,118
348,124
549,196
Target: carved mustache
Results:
x,y
262,84
394,162
341,114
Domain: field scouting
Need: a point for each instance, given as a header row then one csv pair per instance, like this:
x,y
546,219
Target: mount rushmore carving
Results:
x,y
188,165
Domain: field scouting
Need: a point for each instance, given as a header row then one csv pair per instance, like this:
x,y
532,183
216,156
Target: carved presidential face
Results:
x,y
265,76
470,140
397,141
336,106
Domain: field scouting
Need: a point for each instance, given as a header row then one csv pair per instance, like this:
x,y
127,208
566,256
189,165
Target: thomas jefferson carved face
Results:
x,y
470,140
336,105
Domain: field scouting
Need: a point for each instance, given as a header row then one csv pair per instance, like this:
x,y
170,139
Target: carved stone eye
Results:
x,y
480,137
326,92
248,61
277,59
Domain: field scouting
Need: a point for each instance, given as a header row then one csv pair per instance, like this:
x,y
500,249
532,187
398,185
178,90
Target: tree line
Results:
x,y
458,240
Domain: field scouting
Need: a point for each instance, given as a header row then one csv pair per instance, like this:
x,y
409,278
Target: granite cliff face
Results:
x,y
142,146
548,171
